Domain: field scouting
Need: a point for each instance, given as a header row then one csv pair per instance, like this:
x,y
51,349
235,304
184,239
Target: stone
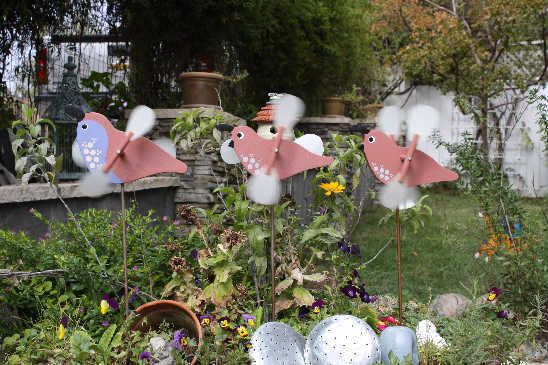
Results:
x,y
426,332
161,350
400,341
450,305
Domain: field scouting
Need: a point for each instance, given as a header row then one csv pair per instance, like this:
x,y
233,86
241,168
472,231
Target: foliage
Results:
x,y
488,53
414,217
113,99
542,108
34,149
308,48
193,129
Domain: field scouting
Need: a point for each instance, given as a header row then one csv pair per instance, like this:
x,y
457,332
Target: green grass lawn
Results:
x,y
440,257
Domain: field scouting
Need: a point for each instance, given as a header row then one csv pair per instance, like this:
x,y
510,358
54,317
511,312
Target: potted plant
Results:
x,y
333,106
201,86
362,105
153,314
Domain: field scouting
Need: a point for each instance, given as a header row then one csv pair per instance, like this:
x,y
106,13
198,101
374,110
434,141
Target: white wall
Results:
x,y
528,167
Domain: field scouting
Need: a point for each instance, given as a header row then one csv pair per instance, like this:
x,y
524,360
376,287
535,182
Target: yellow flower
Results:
x,y
251,322
184,341
242,331
61,331
332,188
491,297
104,306
316,310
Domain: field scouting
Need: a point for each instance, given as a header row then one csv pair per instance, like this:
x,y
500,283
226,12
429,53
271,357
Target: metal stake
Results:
x,y
272,265
398,240
124,247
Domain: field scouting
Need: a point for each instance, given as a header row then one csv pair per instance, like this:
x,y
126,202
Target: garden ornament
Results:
x,y
272,160
265,118
116,157
402,169
401,342
340,339
277,343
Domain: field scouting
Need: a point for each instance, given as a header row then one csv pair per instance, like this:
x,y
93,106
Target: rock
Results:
x,y
342,339
534,352
401,341
450,305
426,332
161,350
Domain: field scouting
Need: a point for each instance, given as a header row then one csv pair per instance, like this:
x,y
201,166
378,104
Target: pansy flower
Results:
x,y
61,330
364,296
194,254
112,302
332,188
103,306
145,355
248,345
180,340
303,312
493,293
105,323
242,330
504,314
249,319
205,319
317,306
350,290
224,322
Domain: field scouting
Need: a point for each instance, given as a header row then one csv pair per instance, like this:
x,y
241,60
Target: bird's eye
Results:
x,y
240,135
371,139
84,126
273,130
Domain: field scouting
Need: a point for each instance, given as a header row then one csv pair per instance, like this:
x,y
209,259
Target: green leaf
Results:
x,y
302,296
223,272
283,285
104,342
316,278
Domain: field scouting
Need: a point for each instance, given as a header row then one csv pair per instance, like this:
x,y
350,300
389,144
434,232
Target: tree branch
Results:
x,y
5,273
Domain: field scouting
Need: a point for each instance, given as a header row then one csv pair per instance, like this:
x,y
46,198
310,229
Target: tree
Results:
x,y
308,47
488,52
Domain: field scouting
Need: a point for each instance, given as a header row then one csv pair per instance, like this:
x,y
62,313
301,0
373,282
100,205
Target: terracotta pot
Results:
x,y
371,111
200,89
333,106
169,311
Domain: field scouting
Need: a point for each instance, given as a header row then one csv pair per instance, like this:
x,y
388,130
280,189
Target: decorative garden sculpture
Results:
x,y
400,341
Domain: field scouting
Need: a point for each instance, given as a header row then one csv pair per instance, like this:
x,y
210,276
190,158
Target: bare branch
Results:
x,y
5,273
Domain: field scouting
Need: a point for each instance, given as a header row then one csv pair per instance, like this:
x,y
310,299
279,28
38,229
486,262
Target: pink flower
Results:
x,y
176,222
165,218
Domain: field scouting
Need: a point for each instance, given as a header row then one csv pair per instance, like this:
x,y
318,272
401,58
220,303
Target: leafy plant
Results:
x,y
415,216
34,148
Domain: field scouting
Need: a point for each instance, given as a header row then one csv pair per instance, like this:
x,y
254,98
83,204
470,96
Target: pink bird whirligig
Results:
x,y
402,169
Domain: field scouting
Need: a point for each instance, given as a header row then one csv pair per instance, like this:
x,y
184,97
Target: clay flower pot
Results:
x,y
370,111
200,89
333,106
150,315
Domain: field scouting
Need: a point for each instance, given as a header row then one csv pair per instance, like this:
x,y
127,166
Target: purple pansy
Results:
x,y
176,343
504,314
364,296
493,293
249,319
350,290
145,355
105,323
317,306
356,274
112,302
205,319
303,312
64,321
194,254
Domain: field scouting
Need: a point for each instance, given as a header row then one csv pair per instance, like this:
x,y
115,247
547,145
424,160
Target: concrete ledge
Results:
x,y
326,120
208,112
39,192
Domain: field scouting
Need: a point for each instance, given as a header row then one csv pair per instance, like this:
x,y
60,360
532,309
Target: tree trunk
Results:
x,y
483,126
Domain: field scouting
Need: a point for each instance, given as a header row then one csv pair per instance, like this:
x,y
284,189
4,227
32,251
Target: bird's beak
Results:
x,y
224,127
231,144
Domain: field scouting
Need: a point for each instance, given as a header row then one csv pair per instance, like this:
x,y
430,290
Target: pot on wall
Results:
x,y
200,89
370,111
333,106
152,314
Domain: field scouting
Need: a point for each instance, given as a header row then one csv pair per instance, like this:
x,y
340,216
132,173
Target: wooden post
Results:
x,y
398,240
124,248
272,261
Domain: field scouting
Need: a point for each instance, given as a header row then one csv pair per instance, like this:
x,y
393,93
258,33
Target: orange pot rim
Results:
x,y
149,307
195,74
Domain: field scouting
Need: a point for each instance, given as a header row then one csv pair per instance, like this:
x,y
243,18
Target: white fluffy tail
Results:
x,y
264,189
96,183
398,195
288,110
141,120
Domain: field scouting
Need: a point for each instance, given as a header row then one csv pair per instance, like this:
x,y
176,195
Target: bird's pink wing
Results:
x,y
144,158
423,169
293,159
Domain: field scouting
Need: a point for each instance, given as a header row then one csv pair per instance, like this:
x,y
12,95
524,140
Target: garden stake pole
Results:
x,y
272,253
398,240
124,247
